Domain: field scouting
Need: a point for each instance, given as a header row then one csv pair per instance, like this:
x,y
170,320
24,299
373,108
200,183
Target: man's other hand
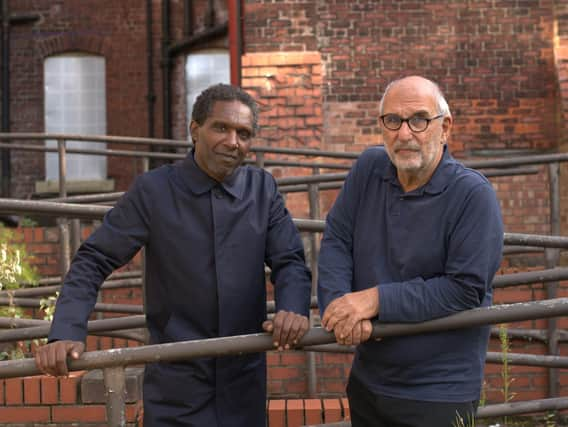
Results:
x,y
287,329
52,358
343,313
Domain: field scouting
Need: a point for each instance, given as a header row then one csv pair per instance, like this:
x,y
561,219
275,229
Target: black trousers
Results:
x,y
371,410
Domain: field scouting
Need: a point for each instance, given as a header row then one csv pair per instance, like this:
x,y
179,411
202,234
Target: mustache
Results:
x,y
406,146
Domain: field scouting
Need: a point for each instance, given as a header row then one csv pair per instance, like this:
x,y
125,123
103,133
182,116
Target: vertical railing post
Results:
x,y
552,257
63,223
75,236
259,158
115,394
313,200
145,168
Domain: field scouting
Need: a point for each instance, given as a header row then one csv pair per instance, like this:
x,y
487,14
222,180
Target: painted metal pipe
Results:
x,y
99,307
253,343
93,326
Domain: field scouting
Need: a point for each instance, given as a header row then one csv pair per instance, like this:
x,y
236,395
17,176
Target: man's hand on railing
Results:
x,y
52,358
287,329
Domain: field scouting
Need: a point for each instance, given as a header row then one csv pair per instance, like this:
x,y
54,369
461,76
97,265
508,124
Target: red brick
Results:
x,y
331,410
24,414
49,390
1,392
79,413
313,411
277,413
68,388
345,404
295,412
281,372
32,390
293,358
14,391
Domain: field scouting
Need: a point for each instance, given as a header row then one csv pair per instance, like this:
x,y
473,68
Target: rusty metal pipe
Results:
x,y
93,326
263,341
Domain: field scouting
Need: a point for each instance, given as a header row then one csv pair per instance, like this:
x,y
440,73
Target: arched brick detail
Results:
x,y
70,42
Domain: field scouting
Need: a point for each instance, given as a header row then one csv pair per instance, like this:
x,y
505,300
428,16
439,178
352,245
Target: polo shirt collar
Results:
x,y
439,180
199,182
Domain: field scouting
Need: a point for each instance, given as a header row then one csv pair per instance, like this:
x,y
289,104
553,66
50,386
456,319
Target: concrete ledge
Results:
x,y
82,187
93,388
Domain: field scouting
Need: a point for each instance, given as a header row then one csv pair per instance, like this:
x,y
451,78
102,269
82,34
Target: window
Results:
x,y
204,68
75,103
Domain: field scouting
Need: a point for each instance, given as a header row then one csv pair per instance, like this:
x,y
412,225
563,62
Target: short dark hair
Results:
x,y
222,92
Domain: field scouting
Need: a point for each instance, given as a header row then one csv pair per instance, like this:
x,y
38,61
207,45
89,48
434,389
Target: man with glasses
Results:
x,y
413,236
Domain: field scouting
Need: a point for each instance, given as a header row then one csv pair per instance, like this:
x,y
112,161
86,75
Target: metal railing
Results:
x,y
312,185
114,361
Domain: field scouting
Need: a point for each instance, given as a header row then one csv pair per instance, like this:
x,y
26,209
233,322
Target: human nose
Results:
x,y
405,133
232,139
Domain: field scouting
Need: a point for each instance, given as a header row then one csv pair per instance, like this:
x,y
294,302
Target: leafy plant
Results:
x,y
505,370
47,305
14,265
27,222
15,270
460,422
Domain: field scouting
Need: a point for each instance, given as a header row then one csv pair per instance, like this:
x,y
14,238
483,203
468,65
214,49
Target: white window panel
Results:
x,y
203,69
75,103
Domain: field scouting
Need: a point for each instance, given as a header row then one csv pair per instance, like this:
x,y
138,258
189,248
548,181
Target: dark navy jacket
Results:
x,y
206,246
432,252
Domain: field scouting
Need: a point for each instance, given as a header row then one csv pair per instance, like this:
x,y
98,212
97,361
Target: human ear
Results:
x,y
446,129
193,131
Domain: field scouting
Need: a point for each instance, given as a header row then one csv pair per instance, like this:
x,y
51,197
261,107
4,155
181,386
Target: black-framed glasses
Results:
x,y
415,123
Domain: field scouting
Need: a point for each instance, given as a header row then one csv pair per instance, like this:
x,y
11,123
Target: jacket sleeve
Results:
x,y
335,262
285,256
123,232
474,250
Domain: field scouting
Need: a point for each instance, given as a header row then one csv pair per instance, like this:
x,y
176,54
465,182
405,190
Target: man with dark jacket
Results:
x,y
209,225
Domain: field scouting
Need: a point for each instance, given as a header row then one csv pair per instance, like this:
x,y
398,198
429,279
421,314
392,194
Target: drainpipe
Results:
x,y
188,19
210,14
235,40
5,125
166,70
151,96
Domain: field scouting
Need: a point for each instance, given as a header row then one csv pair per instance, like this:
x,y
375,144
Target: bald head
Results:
x,y
420,86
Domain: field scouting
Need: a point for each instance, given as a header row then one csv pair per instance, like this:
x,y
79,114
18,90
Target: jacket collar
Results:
x,y
199,182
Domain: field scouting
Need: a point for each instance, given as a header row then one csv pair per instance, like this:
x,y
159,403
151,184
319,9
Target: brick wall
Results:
x,y
65,402
561,62
494,60
116,32
287,371
318,70
43,400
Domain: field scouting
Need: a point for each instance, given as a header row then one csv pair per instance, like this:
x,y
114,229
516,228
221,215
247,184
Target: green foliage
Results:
x,y
27,222
506,369
47,305
460,422
550,419
15,271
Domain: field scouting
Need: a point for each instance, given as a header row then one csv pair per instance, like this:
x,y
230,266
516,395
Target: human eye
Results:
x,y
418,122
245,135
220,127
392,120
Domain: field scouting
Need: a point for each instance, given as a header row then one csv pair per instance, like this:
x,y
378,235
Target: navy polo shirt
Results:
x,y
431,252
